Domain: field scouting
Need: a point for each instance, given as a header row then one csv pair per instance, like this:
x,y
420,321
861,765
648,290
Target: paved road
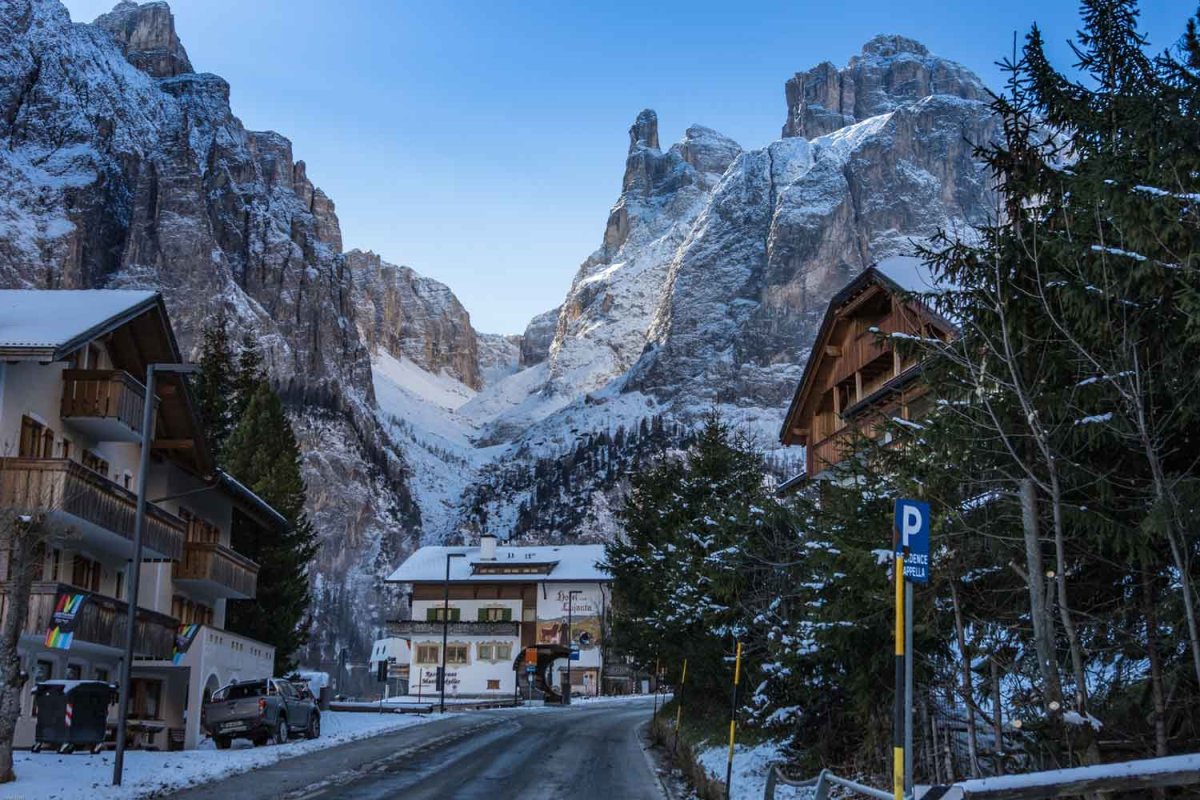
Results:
x,y
581,753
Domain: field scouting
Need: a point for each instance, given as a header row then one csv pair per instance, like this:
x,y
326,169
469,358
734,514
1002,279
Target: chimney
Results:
x,y
487,547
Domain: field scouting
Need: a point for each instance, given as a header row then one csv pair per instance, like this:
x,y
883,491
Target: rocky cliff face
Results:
x,y
601,329
890,71
121,167
418,318
539,335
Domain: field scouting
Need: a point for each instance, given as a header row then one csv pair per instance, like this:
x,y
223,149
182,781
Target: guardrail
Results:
x,y
820,785
1125,776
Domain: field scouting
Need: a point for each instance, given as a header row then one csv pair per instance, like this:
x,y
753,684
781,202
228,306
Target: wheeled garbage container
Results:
x,y
71,715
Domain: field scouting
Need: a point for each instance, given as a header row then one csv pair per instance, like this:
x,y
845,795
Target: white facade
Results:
x,y
503,602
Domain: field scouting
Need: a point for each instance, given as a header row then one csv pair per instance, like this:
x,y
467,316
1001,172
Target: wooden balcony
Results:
x,y
88,505
214,570
101,621
106,404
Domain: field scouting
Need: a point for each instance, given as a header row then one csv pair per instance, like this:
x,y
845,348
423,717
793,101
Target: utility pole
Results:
x,y
445,629
570,642
149,407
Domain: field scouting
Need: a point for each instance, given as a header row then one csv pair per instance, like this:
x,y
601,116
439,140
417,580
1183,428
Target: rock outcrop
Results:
x,y
539,335
415,317
891,71
146,34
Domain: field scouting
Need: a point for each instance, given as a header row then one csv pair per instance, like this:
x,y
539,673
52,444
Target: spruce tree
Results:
x,y
262,453
213,386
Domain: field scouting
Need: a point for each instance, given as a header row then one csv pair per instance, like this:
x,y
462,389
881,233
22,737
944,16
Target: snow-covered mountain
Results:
x,y
121,166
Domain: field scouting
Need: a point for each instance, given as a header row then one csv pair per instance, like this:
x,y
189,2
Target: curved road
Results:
x,y
586,752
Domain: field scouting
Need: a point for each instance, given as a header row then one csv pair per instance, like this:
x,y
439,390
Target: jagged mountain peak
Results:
x,y
891,71
644,131
146,33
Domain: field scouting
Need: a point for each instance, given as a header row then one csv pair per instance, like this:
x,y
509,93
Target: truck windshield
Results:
x,y
239,692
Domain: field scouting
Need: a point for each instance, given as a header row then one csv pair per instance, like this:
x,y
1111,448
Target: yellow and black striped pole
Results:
x,y
679,704
898,722
737,674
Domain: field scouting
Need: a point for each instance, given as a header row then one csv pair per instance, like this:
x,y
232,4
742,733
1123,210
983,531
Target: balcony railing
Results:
x,y
70,492
101,620
216,570
106,403
406,627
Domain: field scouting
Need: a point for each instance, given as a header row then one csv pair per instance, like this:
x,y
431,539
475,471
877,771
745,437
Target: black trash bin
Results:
x,y
71,715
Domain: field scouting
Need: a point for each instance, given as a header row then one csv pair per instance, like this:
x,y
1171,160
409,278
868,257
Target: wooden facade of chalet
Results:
x,y
855,378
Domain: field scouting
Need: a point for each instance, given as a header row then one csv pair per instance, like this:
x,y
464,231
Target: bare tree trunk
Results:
x,y
1064,607
968,688
21,536
997,715
1043,630
1155,657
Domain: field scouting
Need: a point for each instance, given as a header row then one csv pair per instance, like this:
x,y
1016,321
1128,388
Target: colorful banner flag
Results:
x,y
183,641
62,621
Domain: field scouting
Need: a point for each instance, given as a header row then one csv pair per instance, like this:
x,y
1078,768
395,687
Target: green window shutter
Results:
x,y
508,615
483,615
455,614
431,615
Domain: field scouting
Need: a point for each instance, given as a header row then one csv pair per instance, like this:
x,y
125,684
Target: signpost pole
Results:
x,y
679,705
737,674
908,689
898,716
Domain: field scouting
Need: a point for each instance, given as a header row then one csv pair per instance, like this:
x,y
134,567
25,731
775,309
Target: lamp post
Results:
x,y
135,565
446,627
570,641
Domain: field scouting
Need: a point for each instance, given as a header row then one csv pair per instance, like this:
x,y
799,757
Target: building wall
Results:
x,y
477,677
468,608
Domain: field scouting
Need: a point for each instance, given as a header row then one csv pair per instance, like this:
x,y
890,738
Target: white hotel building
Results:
x,y
505,602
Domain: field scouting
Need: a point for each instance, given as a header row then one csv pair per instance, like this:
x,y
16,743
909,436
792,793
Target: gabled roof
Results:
x,y
48,324
569,563
902,275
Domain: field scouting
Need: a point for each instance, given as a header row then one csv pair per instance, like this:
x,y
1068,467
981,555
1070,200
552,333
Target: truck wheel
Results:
x,y
314,726
222,742
281,731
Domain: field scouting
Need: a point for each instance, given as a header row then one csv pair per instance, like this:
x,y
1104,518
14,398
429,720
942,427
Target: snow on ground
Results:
x,y
750,767
48,776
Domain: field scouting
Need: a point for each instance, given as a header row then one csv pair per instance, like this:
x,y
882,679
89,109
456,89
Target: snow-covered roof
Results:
x,y
574,562
49,323
909,273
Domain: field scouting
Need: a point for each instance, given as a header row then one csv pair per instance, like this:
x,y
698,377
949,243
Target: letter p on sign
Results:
x,y
912,541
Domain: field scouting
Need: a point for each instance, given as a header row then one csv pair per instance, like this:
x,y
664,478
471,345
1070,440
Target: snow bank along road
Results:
x,y
586,752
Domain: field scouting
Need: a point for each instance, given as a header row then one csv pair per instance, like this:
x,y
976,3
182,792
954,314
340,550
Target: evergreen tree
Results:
x,y
263,454
250,373
213,385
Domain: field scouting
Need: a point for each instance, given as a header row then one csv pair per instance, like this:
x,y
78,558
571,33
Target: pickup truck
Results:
x,y
268,709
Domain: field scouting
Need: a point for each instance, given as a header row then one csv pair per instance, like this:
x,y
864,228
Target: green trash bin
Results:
x,y
71,715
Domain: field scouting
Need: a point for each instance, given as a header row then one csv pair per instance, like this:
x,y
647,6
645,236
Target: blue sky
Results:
x,y
482,142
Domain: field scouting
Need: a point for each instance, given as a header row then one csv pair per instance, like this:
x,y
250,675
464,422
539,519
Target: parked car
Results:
x,y
268,709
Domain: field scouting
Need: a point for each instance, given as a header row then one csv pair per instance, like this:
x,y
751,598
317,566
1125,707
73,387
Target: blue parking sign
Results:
x,y
912,538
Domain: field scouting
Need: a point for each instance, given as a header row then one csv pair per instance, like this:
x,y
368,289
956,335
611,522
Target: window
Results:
x,y
119,592
37,441
127,479
428,654
95,463
100,674
85,573
494,651
435,614
493,685
495,614
144,697
43,671
457,654
74,672
65,448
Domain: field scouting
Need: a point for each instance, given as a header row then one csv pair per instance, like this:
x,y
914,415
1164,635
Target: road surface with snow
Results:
x,y
587,752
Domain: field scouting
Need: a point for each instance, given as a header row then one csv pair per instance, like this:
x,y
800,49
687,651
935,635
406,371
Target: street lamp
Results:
x,y
149,406
446,626
570,641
